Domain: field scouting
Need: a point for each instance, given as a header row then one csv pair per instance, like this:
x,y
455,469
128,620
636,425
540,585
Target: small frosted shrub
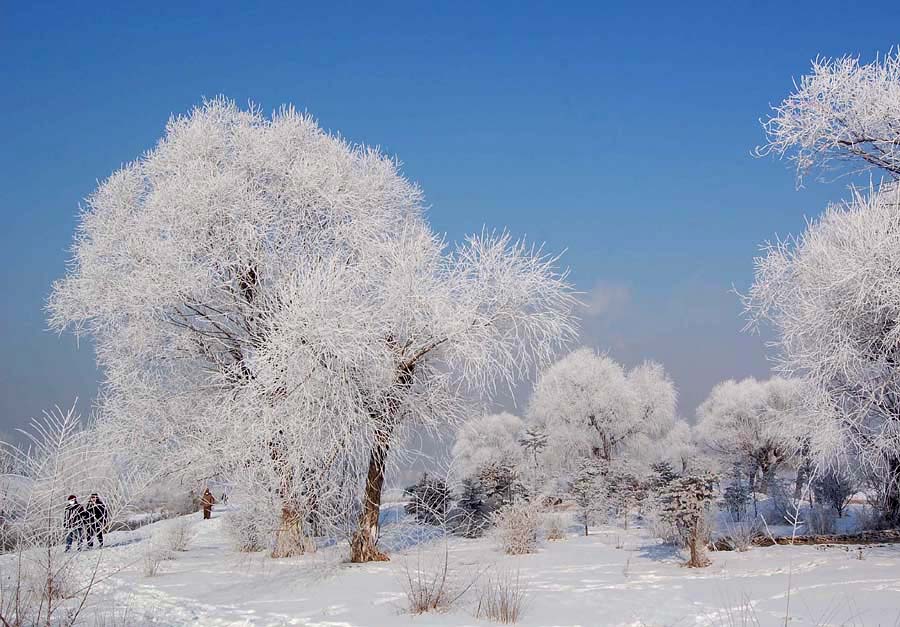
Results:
x,y
517,527
555,527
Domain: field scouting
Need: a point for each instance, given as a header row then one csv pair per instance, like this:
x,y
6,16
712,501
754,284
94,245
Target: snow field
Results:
x,y
612,577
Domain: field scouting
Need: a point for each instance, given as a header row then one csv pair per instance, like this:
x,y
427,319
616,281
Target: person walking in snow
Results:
x,y
206,502
97,518
74,520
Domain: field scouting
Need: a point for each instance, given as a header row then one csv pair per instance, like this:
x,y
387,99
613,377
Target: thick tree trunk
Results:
x,y
698,557
362,544
290,540
763,468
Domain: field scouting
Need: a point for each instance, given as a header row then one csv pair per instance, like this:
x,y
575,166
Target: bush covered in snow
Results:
x,y
555,527
249,530
516,527
179,534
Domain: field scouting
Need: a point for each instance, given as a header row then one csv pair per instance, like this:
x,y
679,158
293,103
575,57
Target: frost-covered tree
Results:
x,y
662,474
749,422
472,514
263,294
686,505
835,486
487,451
843,110
589,491
590,405
533,441
488,442
626,493
656,398
736,496
678,446
833,297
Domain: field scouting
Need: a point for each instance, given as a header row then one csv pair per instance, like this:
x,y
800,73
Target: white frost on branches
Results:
x,y
841,110
490,441
833,295
590,406
263,294
752,422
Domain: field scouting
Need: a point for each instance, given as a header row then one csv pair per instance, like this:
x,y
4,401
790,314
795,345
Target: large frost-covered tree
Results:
x,y
489,441
589,403
843,110
266,296
833,296
750,422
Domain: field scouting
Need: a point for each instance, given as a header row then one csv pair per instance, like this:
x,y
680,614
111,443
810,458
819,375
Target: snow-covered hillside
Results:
x,y
612,577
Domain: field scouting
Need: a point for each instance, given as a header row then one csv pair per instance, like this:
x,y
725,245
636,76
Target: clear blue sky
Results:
x,y
621,133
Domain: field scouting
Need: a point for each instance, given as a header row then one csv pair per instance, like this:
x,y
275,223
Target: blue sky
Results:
x,y
621,133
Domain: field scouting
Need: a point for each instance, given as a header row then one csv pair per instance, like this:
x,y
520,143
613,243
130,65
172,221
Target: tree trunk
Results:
x,y
290,540
362,544
695,558
698,550
768,479
892,493
800,481
751,480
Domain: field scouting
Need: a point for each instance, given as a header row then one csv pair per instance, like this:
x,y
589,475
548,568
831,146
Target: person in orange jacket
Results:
x,y
206,502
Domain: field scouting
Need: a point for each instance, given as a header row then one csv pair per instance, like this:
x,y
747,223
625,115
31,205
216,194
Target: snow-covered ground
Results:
x,y
612,577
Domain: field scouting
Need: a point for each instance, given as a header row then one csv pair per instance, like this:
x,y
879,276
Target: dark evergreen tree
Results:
x,y
534,441
661,476
626,493
736,498
472,514
428,500
686,504
589,491
834,488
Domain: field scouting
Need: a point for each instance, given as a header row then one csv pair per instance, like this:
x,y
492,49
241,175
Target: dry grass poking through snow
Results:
x,y
501,598
153,557
555,527
179,535
739,535
433,585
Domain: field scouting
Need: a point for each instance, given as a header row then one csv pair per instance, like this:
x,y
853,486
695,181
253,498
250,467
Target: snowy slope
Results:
x,y
612,577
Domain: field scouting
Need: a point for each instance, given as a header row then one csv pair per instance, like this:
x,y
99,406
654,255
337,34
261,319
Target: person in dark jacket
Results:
x,y
206,502
97,519
74,521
